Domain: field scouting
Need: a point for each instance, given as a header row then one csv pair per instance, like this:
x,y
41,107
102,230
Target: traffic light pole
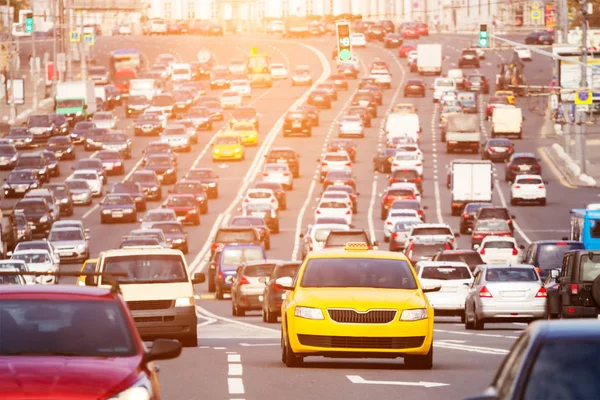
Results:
x,y
580,130
33,67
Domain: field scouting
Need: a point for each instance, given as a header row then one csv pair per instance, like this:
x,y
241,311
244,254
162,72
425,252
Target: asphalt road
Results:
x,y
239,357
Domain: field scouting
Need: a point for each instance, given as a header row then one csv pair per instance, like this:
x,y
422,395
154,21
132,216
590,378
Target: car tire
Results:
x,y
468,324
197,221
185,250
462,318
420,362
478,324
211,285
288,357
270,317
219,293
383,215
191,340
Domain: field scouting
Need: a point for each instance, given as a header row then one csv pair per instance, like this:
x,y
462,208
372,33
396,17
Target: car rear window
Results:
x,y
340,238
446,273
590,268
405,174
524,160
425,250
550,255
336,158
492,213
511,275
282,154
432,231
400,192
235,256
499,244
256,271
286,270
236,236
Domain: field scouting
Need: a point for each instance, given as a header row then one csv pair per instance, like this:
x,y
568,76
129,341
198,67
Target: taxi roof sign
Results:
x,y
356,246
254,50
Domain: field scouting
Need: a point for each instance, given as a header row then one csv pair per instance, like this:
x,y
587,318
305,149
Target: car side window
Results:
x,y
510,367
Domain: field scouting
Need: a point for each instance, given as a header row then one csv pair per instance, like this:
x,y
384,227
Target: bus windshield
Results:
x,y
126,61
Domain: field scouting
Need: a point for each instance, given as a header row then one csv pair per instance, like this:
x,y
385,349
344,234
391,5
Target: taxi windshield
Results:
x,y
358,272
227,140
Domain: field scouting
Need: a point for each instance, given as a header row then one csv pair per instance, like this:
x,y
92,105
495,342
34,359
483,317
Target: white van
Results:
x,y
403,126
507,121
157,288
458,76
442,85
181,73
144,87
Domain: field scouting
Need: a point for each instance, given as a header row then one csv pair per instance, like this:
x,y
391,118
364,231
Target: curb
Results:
x,y
567,167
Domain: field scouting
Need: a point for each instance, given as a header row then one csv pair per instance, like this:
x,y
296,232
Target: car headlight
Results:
x,y
65,200
128,211
44,219
178,240
212,184
309,313
6,186
139,391
28,139
216,151
105,211
169,171
154,189
78,114
81,247
282,296
414,314
184,302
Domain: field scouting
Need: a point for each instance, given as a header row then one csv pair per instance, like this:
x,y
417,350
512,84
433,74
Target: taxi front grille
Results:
x,y
359,342
348,316
150,305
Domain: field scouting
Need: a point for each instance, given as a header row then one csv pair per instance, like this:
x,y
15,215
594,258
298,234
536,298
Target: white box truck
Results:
x,y
463,132
429,59
471,181
76,100
507,121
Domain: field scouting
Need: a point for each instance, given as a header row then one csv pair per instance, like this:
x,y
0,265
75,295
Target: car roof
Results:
x,y
442,263
262,262
565,328
60,291
498,266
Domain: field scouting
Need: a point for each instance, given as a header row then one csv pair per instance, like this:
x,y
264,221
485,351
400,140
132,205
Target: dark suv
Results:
x,y
578,294
541,37
468,57
468,215
338,238
297,122
522,163
495,213
285,155
547,255
38,214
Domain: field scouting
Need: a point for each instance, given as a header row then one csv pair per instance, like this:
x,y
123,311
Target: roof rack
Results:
x,y
108,277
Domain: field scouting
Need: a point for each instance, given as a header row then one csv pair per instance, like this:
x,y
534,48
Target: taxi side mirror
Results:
x,y
285,283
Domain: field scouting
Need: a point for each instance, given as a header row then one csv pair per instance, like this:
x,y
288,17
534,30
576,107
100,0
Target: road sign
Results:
x,y
535,5
536,15
582,107
203,56
583,98
61,62
74,37
89,39
416,4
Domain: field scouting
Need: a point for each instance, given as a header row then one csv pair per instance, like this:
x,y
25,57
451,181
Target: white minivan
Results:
x,y
441,86
157,288
181,73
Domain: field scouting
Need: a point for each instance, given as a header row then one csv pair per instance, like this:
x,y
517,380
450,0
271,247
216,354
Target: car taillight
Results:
x,y
395,235
389,223
484,292
286,174
541,293
482,251
393,180
221,277
318,212
246,200
574,288
410,250
513,167
536,166
447,246
323,164
348,212
244,281
265,174
517,186
418,165
417,180
509,149
537,269
420,212
349,164
478,236
541,187
465,216
515,251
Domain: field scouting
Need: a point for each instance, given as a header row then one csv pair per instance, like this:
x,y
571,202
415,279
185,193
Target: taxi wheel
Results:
x,y
420,362
288,356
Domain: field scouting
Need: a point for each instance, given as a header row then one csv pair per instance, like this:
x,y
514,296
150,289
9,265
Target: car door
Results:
x,y
235,283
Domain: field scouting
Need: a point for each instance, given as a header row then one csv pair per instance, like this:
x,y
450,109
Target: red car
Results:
x,y
404,50
422,29
410,32
494,101
72,342
186,208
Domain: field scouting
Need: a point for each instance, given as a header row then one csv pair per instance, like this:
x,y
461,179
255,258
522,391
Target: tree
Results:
x,y
593,19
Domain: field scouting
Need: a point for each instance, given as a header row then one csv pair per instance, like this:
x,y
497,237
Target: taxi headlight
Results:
x,y
237,150
184,302
414,314
309,313
216,151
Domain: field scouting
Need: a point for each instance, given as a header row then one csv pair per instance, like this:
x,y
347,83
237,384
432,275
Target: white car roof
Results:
x,y
442,264
433,225
277,65
31,251
259,190
524,176
498,239
240,82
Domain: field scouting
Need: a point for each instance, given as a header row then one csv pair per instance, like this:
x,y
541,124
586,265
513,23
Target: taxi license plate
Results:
x,y
335,183
519,293
117,215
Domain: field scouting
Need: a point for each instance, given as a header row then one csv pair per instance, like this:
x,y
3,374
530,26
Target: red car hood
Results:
x,y
65,378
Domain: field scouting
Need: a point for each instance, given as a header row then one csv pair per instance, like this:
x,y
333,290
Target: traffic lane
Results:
x,y
459,373
272,105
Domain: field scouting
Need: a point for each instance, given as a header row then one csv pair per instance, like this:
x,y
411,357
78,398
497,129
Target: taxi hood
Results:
x,y
360,299
66,377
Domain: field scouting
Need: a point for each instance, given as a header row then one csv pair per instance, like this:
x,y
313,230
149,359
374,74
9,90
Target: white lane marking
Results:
x,y
235,370
235,385
358,379
234,358
372,207
474,334
219,348
204,251
515,225
436,183
207,313
259,344
471,349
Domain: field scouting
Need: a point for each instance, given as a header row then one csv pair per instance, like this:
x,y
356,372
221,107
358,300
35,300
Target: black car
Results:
x,y
382,162
79,130
467,218
136,105
93,139
546,255
257,223
196,188
60,123
36,162
18,182
339,177
62,194
51,162
200,117
91,163
208,178
134,190
113,96
149,183
8,156
183,102
117,207
376,31
347,145
41,126
392,40
414,87
138,241
213,29
163,166
297,122
497,149
215,110
118,141
363,113
62,147
272,294
38,214
339,80
20,137
287,155
175,236
112,162
24,232
158,148
541,37
147,125
330,89
365,98
468,57
522,163
319,99
277,189
477,83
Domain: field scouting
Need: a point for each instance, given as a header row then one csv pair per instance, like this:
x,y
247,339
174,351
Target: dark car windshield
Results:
x,y
30,162
85,328
236,236
426,250
358,272
148,268
339,239
550,255
31,207
446,273
511,275
147,178
167,228
181,201
117,200
21,176
492,213
256,271
470,258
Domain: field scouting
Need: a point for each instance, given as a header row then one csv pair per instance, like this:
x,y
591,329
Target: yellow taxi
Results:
x,y
228,146
356,302
88,266
247,132
509,94
404,108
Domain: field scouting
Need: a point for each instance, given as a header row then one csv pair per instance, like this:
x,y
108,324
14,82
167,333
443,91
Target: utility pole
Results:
x,y
33,65
12,60
583,84
68,45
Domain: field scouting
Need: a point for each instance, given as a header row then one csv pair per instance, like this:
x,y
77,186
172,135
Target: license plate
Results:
x,y
525,167
297,125
19,190
519,293
117,215
65,254
500,149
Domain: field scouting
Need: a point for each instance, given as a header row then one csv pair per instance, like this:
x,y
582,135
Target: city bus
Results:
x,y
585,226
125,59
258,69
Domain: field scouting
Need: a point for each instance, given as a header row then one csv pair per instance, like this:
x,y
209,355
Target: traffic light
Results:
x,y
29,22
342,29
483,36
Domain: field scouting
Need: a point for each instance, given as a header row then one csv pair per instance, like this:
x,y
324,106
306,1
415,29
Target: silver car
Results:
x,y
504,293
152,232
80,191
176,136
249,285
350,126
38,261
71,244
157,215
105,119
